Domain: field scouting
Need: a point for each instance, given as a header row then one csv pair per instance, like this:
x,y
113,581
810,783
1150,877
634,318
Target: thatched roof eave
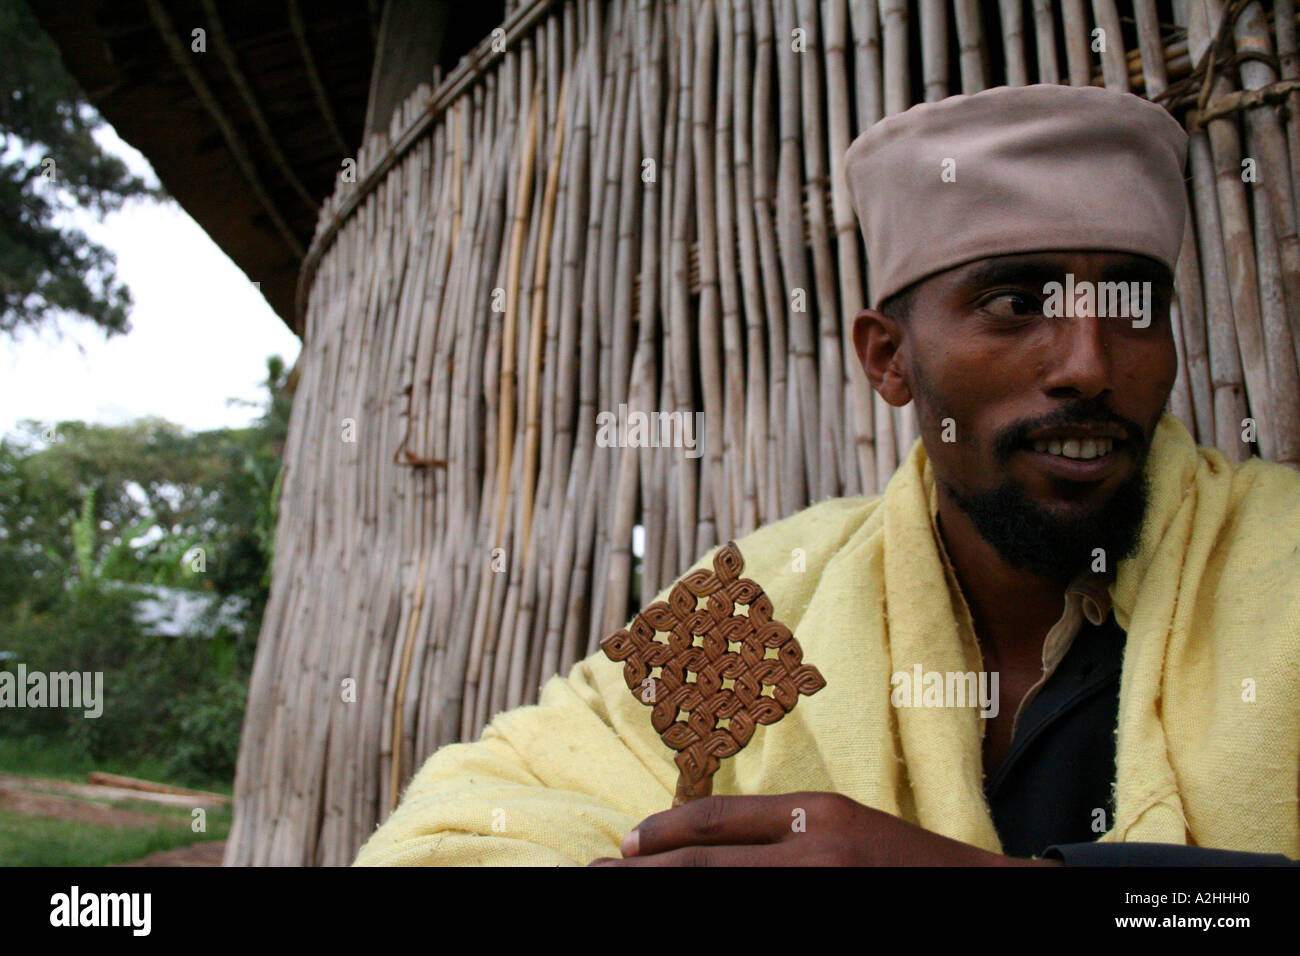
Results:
x,y
248,133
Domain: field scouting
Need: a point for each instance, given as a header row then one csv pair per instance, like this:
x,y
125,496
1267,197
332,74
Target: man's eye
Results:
x,y
1012,304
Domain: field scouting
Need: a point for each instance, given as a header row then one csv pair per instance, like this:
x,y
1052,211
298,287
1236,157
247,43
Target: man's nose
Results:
x,y
1081,361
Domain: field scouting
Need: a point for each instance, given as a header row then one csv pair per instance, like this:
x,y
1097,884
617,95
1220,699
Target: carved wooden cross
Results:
x,y
697,660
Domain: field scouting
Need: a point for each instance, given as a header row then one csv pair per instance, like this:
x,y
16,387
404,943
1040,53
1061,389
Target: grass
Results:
x,y
37,841
27,840
63,760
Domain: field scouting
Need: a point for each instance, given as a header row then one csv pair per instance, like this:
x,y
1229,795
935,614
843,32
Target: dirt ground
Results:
x,y
54,807
63,800
208,853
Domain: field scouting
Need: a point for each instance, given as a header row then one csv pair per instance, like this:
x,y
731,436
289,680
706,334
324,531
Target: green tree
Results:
x,y
52,163
96,488
260,467
86,509
130,502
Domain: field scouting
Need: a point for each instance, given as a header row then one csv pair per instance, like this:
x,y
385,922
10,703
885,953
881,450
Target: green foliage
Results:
x,y
83,537
130,502
89,516
53,164
177,699
94,629
60,759
205,733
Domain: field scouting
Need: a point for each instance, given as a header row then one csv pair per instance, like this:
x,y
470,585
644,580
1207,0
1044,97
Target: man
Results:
x,y
1132,600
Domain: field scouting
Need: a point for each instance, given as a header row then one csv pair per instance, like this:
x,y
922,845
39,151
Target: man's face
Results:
x,y
990,373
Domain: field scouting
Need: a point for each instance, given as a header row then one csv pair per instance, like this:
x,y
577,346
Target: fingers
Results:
x,y
767,854
719,821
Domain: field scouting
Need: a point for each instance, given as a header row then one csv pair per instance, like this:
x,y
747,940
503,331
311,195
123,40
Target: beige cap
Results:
x,y
1016,169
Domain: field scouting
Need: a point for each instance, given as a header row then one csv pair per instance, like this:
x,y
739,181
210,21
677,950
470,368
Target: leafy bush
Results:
x,y
161,695
205,732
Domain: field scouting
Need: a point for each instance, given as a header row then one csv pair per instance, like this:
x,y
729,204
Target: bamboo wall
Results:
x,y
504,269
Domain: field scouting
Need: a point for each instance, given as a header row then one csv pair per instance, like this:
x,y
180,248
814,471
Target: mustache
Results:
x,y
1015,438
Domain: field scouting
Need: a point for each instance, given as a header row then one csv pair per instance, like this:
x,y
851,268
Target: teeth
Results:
x,y
1081,449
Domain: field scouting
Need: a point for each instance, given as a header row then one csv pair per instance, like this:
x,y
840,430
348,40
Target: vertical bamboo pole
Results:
x,y
830,362
802,413
786,469
970,43
1049,70
1114,63
1077,42
1225,362
859,425
729,511
760,501
934,49
680,348
1013,41
1155,77
869,87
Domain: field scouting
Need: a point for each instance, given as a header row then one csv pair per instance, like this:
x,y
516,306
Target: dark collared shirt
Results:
x,y
1052,796
1054,786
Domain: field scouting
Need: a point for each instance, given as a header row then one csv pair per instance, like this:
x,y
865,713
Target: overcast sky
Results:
x,y
200,331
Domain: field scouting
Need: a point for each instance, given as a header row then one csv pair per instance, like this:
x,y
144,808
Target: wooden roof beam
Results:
x,y
181,57
226,50
313,77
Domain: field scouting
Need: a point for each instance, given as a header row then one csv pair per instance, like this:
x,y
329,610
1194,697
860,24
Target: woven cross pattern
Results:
x,y
704,647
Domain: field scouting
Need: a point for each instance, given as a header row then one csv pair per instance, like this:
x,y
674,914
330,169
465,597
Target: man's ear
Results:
x,y
878,341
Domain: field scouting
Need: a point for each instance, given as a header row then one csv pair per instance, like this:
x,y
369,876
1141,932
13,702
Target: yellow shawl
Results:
x,y
1208,741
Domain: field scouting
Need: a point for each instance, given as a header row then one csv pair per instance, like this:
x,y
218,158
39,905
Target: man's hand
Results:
x,y
793,829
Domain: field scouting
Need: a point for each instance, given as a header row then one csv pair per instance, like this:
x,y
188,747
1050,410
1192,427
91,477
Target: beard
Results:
x,y
1056,545
1051,543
